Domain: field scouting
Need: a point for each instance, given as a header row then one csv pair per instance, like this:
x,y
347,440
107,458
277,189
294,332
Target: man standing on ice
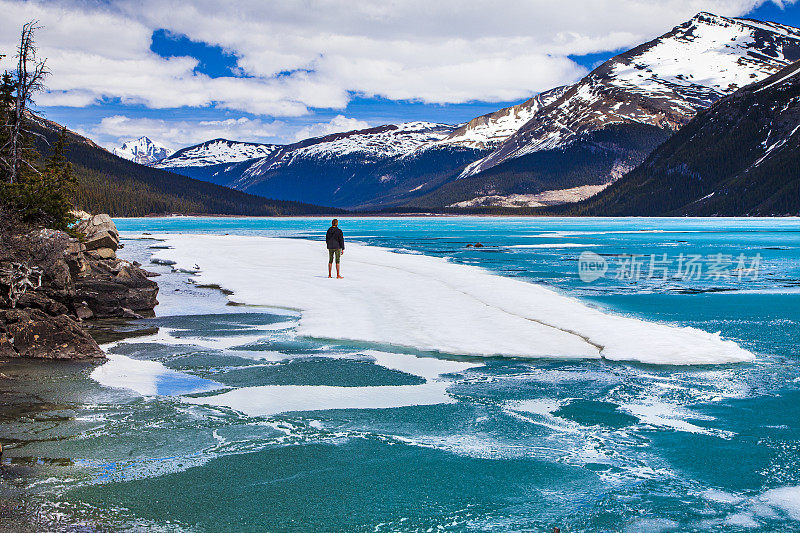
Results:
x,y
335,241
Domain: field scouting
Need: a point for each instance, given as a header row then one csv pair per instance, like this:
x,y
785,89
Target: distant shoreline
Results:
x,y
465,215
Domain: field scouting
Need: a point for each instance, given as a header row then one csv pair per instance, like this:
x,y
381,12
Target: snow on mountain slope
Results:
x,y
738,158
142,151
372,144
663,82
488,131
216,152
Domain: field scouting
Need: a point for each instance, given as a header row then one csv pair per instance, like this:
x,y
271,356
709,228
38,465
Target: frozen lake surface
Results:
x,y
438,386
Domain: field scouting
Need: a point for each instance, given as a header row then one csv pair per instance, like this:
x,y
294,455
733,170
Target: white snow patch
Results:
x,y
429,368
148,378
430,304
670,416
786,499
274,399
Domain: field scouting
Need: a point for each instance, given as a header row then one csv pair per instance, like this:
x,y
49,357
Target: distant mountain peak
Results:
x,y
143,151
216,152
662,83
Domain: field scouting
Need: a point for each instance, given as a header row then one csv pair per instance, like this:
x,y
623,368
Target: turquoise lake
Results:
x,y
520,445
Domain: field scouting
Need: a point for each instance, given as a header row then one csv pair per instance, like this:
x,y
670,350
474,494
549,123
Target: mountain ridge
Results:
x,y
576,137
739,157
120,187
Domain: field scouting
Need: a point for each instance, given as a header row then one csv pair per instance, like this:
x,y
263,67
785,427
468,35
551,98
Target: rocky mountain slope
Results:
x,y
633,102
740,157
142,151
490,130
358,169
662,83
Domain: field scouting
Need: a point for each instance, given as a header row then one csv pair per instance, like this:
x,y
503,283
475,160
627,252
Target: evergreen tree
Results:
x,y
47,196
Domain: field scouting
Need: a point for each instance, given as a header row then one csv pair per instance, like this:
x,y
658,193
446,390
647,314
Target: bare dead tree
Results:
x,y
31,71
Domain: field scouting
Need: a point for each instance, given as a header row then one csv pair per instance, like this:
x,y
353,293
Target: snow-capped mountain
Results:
x,y
573,138
488,131
142,151
362,168
662,83
370,144
216,152
738,158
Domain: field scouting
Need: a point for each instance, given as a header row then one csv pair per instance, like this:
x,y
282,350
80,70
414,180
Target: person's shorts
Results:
x,y
334,252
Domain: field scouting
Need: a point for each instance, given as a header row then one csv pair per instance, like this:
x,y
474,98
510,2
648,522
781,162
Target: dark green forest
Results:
x,y
718,164
109,184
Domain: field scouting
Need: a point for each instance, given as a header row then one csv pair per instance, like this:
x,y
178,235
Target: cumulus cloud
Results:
x,y
337,124
114,130
303,55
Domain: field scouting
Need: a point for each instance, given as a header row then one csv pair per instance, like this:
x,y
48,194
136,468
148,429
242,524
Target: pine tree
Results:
x,y
40,195
47,196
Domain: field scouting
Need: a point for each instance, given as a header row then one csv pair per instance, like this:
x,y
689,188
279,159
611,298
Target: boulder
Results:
x,y
99,232
101,239
95,224
112,286
102,253
32,333
82,311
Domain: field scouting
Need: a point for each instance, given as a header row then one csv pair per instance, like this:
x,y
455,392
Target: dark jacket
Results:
x,y
334,238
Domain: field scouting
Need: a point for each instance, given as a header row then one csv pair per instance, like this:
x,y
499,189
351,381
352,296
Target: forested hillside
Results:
x,y
110,184
740,157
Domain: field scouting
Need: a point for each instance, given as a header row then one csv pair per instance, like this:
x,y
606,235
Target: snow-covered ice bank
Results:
x,y
269,400
428,303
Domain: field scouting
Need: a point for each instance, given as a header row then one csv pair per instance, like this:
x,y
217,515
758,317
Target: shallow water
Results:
x,y
222,421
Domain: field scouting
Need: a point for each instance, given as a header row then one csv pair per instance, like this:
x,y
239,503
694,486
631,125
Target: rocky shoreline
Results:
x,y
63,283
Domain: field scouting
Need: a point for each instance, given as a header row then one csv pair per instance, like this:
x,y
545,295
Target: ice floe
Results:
x,y
430,304
148,378
269,400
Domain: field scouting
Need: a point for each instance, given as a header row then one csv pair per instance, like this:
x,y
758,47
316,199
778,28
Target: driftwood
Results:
x,y
19,277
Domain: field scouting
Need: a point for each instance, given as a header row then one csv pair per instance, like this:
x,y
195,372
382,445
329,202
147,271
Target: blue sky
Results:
x,y
183,72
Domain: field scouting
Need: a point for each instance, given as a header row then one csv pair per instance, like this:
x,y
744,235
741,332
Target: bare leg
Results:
x,y
338,276
329,269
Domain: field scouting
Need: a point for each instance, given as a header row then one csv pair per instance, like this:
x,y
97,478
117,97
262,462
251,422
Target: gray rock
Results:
x,y
32,333
113,285
83,312
99,232
101,239
79,282
102,253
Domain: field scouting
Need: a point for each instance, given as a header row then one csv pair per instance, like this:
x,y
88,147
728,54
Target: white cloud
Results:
x,y
448,51
337,124
113,131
